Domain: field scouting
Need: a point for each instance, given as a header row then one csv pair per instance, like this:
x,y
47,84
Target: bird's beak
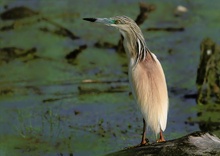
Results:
x,y
106,21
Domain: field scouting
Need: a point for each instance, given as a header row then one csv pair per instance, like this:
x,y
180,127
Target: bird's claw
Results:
x,y
161,140
144,142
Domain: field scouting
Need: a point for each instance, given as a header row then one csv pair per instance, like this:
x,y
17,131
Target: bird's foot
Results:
x,y
143,143
161,140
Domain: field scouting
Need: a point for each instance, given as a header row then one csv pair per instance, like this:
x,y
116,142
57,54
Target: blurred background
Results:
x,y
63,81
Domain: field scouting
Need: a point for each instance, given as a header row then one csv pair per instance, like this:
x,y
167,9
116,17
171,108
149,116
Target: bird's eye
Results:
x,y
117,22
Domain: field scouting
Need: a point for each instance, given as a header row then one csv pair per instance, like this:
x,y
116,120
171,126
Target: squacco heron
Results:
x,y
146,75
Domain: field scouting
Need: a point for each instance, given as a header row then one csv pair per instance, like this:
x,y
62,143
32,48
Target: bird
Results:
x,y
146,76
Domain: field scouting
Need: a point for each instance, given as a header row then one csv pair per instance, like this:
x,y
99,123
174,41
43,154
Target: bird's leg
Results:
x,y
161,139
143,140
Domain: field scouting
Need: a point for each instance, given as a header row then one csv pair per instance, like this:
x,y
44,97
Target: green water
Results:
x,y
49,105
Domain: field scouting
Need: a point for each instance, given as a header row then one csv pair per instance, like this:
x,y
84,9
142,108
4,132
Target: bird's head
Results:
x,y
134,42
123,23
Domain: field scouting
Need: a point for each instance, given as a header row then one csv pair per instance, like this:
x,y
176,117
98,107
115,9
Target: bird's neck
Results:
x,y
130,44
130,49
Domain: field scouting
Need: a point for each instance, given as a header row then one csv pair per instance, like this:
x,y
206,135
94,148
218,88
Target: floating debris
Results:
x,y
72,55
77,112
180,10
50,100
24,12
7,27
191,96
89,81
66,33
10,53
103,81
106,87
145,9
60,31
35,89
100,44
17,13
170,29
6,91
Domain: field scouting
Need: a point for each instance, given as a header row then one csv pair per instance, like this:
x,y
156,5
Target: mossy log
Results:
x,y
208,84
208,73
197,143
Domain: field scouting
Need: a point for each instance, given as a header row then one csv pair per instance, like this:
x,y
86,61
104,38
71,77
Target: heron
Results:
x,y
146,76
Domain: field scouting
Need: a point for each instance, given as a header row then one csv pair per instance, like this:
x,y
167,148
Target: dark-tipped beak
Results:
x,y
90,19
106,21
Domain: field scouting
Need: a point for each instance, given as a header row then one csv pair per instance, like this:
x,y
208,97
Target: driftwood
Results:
x,y
197,143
